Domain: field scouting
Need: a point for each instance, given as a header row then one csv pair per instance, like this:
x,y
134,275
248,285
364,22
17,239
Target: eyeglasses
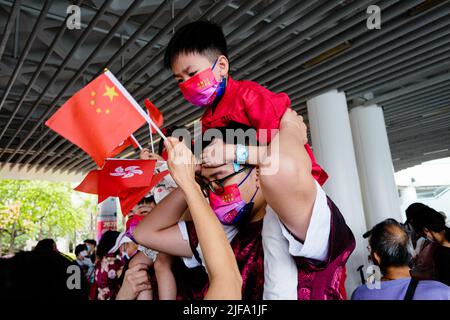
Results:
x,y
215,186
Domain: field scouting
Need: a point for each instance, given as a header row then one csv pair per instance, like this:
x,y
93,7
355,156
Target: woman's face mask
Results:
x,y
203,88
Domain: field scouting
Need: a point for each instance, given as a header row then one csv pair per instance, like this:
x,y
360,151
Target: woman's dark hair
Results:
x,y
107,241
200,37
435,221
390,240
45,245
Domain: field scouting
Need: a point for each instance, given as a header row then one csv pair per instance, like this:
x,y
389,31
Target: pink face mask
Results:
x,y
201,89
227,205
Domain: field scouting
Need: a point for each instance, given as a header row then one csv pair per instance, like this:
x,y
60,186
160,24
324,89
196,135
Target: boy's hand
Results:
x,y
292,119
181,162
218,153
147,155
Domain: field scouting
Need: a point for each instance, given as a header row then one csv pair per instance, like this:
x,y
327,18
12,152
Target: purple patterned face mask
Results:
x,y
203,88
228,205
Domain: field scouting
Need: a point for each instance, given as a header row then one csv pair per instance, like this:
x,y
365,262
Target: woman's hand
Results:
x,y
181,162
135,281
147,155
291,118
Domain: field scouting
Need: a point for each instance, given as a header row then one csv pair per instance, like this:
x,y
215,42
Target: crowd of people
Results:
x,y
248,221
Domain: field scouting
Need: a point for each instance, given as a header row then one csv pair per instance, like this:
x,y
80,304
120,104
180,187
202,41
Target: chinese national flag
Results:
x,y
98,118
154,114
130,180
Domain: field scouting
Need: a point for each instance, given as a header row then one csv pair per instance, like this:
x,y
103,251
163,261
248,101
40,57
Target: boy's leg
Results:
x,y
167,287
285,176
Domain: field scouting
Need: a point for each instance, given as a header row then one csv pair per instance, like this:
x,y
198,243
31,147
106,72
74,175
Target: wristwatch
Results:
x,y
241,156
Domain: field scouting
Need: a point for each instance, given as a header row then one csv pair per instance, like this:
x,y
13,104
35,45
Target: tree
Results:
x,y
36,210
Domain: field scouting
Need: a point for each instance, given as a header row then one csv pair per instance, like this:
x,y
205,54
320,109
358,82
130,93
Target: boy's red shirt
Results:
x,y
250,104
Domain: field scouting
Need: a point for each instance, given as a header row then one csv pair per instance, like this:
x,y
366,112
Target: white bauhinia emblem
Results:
x,y
128,172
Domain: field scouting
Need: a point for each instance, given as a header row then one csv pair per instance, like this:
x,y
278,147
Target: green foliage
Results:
x,y
36,210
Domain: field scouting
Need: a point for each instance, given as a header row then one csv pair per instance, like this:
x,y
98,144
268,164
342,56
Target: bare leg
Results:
x,y
285,176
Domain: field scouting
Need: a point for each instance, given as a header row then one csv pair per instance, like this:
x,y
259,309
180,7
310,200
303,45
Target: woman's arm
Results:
x,y
224,277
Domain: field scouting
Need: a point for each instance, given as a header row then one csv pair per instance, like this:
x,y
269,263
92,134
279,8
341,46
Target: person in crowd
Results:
x,y
391,250
46,245
224,278
134,254
42,275
91,245
315,233
84,261
422,264
108,268
435,229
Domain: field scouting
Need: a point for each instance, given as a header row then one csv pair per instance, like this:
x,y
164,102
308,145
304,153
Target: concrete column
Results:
x,y
333,147
376,172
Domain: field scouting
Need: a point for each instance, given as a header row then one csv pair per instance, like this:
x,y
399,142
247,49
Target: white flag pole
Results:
x,y
137,142
134,103
151,135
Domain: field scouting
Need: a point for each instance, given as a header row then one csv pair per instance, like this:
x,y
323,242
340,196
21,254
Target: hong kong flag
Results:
x,y
99,117
129,180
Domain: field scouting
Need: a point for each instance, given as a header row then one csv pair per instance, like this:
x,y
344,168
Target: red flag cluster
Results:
x,y
101,119
129,180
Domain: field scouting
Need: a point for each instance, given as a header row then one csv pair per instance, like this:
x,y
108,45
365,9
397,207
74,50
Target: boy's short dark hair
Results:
x,y
203,37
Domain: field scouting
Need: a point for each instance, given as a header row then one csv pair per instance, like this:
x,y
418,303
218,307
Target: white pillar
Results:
x,y
333,147
376,172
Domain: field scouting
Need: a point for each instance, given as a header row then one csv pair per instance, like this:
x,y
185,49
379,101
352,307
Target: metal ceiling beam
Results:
x,y
127,14
9,25
408,89
36,74
395,44
29,43
50,83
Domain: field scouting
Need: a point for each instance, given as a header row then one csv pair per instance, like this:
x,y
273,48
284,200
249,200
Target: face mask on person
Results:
x,y
126,257
84,254
88,247
229,206
203,88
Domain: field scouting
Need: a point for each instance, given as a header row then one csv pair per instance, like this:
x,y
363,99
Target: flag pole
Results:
x,y
134,103
137,142
151,135
151,141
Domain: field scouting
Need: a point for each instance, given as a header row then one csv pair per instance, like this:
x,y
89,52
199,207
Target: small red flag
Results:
x,y
154,114
121,147
99,117
129,180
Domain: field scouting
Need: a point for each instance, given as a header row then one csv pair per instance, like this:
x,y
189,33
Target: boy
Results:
x,y
197,55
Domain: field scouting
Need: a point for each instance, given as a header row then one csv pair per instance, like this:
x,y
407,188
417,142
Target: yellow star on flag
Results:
x,y
110,92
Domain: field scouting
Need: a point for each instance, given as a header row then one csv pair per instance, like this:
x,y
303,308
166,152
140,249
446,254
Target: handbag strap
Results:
x,y
411,289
